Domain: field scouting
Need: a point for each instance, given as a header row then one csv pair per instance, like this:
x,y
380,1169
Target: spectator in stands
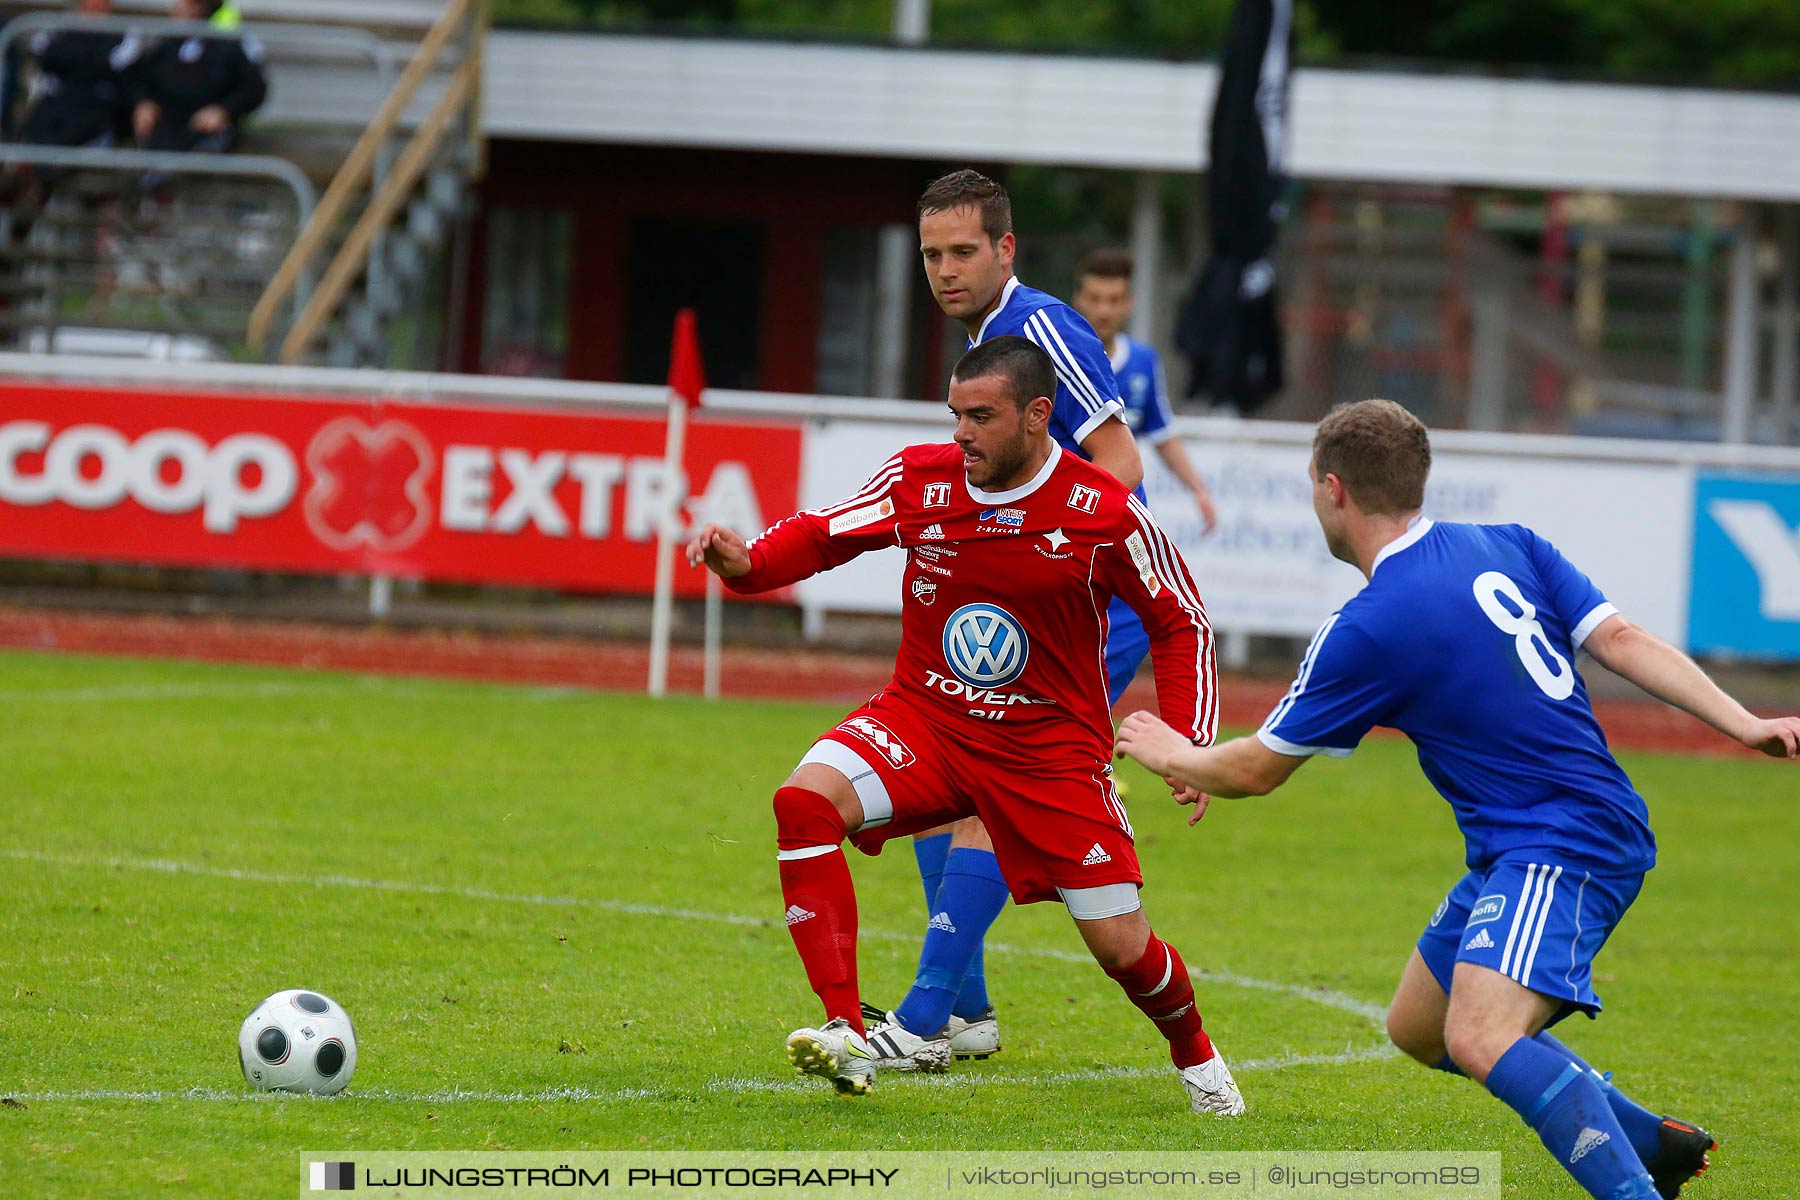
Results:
x,y
80,95
192,93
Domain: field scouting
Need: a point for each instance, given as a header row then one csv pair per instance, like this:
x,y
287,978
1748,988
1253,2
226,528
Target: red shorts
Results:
x,y
1056,822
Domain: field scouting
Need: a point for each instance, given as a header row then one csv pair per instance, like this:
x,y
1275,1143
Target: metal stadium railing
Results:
x,y
221,238
185,258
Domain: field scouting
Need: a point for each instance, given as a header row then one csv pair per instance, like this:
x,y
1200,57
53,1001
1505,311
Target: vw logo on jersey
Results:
x,y
985,646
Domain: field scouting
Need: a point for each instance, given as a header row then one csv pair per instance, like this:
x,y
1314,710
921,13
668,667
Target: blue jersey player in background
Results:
x,y
967,244
1465,640
1103,296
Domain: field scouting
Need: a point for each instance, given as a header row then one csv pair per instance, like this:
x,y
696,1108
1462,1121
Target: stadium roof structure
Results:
x,y
1135,114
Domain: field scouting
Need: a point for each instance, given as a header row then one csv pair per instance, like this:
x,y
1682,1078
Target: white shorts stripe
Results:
x,y
1115,807
1521,906
1537,935
1575,942
878,806
1099,903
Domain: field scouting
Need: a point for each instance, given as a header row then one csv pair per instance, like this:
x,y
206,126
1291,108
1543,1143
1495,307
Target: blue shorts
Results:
x,y
1541,924
1126,645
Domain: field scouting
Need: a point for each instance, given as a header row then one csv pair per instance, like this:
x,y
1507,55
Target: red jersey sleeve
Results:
x,y
816,540
1143,568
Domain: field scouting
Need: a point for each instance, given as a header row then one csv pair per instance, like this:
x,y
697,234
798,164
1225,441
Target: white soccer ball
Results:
x,y
298,1041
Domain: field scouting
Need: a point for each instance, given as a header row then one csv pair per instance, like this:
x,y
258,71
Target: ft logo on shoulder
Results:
x,y
1744,596
1083,498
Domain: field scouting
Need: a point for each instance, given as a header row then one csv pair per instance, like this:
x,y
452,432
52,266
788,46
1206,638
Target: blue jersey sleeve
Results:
x,y
1344,688
1577,603
1086,391
1159,419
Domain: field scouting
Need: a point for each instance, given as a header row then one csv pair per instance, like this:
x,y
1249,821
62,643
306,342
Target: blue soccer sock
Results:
x,y
1565,1106
931,853
972,1001
986,887
970,895
1640,1124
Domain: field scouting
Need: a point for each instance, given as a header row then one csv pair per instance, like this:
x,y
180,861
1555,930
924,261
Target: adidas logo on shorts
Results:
x,y
1481,941
796,914
1096,856
942,921
1590,1139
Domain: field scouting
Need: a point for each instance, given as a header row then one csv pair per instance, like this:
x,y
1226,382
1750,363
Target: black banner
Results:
x,y
1228,327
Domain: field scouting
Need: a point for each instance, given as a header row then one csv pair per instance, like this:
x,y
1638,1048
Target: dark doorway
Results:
x,y
713,267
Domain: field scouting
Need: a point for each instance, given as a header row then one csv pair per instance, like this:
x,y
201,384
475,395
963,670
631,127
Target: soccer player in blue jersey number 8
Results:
x,y
1465,640
966,244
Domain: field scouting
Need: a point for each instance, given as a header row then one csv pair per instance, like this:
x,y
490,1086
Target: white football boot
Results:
x,y
836,1052
1211,1089
898,1049
979,1038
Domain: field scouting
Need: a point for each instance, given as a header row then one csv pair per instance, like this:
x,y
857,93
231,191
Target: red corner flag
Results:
x,y
687,379
687,374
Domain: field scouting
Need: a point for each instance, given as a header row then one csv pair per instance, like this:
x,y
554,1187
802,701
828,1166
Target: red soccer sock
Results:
x,y
1159,985
820,898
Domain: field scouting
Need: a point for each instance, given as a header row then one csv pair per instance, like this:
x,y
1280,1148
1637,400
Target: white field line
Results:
x,y
712,1086
1374,1013
1325,996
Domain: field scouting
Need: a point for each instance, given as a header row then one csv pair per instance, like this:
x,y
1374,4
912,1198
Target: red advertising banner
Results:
x,y
439,491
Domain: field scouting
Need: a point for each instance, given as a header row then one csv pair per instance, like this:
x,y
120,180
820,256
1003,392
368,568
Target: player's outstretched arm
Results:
x,y
1240,767
725,553
1635,653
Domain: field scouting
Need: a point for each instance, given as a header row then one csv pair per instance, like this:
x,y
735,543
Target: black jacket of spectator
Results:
x,y
84,96
184,75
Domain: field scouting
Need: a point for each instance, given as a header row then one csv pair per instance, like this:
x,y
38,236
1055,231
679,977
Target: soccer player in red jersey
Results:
x,y
998,703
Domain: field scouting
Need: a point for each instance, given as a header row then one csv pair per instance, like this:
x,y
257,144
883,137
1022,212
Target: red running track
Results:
x,y
799,674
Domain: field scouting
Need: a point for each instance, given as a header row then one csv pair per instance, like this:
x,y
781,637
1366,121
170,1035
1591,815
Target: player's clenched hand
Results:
x,y
1188,794
1150,741
725,553
1779,738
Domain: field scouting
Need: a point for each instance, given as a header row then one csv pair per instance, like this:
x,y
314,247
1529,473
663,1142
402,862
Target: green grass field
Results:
x,y
554,918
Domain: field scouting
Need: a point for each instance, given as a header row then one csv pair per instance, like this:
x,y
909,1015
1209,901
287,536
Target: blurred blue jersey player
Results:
x,y
1103,296
967,244
1465,640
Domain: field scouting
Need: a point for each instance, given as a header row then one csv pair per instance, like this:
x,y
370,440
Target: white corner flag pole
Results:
x,y
662,610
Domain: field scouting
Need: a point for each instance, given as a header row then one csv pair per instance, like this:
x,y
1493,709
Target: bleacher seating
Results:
x,y
191,259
